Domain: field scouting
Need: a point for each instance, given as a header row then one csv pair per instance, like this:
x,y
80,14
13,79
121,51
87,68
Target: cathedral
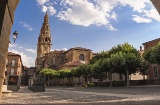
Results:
x,y
58,60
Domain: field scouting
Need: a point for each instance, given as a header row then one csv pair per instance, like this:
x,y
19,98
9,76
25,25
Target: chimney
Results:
x,y
140,48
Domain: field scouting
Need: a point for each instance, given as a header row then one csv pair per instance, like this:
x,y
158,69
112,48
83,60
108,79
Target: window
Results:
x,y
81,57
13,62
46,39
12,71
155,71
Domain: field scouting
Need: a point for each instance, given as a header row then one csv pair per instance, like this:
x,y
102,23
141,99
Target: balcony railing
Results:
x,y
14,64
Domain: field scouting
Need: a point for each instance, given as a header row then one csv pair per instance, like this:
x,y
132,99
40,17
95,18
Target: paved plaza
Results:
x,y
143,95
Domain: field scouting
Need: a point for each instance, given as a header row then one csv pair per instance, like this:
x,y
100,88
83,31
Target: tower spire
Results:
x,y
46,17
44,40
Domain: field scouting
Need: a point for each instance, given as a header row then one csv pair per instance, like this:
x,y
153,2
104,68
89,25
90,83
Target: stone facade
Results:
x,y
6,20
44,41
73,57
154,69
156,3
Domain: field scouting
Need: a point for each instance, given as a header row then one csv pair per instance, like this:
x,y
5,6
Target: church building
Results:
x,y
58,60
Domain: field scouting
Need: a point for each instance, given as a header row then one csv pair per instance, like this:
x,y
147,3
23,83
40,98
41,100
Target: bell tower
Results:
x,y
44,39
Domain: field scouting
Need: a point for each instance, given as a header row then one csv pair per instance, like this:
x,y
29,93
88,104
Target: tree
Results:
x,y
86,71
96,69
77,72
68,74
125,62
62,75
99,56
106,67
153,55
49,73
144,66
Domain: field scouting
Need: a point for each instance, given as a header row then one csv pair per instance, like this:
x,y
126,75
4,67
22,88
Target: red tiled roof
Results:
x,y
73,63
151,41
10,53
78,48
13,54
56,51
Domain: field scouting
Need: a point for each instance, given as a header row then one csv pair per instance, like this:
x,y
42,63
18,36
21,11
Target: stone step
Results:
x,y
5,92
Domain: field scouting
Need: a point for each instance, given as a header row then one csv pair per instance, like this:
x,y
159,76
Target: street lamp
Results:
x,y
15,35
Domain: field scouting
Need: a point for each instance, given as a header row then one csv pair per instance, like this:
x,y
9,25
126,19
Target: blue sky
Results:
x,y
94,24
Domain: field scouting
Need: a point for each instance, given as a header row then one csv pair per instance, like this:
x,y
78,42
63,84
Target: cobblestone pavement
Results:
x,y
148,95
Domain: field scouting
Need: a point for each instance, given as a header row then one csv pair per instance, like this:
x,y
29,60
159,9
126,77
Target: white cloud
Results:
x,y
42,2
31,50
137,5
111,28
47,6
65,49
99,12
153,14
28,27
114,16
139,19
12,45
44,8
20,47
85,13
27,61
51,10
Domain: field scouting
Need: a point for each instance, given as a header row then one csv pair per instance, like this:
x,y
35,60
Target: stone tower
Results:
x,y
44,40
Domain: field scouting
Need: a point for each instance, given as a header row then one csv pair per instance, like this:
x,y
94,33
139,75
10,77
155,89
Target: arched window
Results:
x,y
46,39
81,57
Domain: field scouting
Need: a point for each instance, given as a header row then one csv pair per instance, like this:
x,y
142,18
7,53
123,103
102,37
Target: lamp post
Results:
x,y
15,35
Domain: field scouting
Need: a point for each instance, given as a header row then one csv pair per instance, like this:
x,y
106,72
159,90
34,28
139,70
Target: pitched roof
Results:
x,y
151,41
79,48
13,54
10,53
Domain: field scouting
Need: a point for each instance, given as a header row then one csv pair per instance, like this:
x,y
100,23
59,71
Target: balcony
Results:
x,y
14,64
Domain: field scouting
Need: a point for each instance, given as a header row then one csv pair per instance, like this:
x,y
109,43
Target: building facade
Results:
x,y
154,69
8,8
27,72
14,66
58,59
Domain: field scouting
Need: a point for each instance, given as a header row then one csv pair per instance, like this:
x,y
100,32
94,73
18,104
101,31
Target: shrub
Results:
x,y
90,85
84,85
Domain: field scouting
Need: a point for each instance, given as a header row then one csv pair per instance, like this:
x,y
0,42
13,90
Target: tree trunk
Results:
x,y
98,80
111,80
48,81
106,77
52,81
79,79
72,80
127,78
69,81
87,80
143,77
63,81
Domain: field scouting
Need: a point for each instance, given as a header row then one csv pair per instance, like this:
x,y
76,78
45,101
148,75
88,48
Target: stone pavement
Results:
x,y
144,95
